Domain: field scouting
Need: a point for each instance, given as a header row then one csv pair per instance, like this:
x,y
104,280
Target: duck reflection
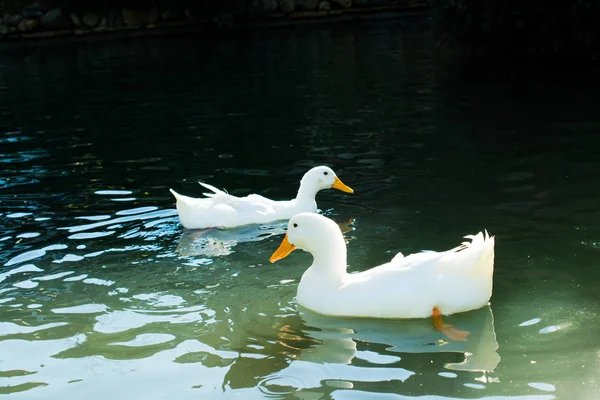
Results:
x,y
323,342
337,338
220,242
214,242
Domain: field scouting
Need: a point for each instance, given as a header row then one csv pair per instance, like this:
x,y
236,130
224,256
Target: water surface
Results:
x,y
103,294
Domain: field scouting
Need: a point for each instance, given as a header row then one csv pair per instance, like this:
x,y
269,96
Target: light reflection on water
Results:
x,y
102,293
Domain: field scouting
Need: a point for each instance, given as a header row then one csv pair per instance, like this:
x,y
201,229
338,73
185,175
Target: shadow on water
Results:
x,y
103,294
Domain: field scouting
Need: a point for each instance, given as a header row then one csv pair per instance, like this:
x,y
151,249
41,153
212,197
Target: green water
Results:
x,y
104,295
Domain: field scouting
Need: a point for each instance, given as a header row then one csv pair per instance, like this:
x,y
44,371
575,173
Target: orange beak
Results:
x,y
285,248
339,185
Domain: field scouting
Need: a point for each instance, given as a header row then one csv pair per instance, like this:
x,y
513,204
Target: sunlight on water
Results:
x,y
104,295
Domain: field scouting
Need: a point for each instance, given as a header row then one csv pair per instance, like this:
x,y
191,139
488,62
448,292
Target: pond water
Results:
x,y
104,295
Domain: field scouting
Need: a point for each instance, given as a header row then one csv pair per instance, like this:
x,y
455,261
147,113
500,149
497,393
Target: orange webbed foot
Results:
x,y
448,330
345,226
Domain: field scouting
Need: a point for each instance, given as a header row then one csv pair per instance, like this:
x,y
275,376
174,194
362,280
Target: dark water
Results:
x,y
102,293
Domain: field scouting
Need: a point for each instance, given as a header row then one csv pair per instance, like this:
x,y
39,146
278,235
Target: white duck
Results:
x,y
222,210
416,286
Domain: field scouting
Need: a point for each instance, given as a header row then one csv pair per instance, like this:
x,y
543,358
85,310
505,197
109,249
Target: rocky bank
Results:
x,y
23,19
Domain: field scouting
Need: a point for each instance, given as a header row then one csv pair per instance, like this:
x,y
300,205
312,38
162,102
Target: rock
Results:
x,y
28,25
12,20
265,6
76,20
325,6
371,2
342,3
153,16
306,4
91,20
103,22
271,6
223,21
35,10
56,19
132,17
115,19
31,13
4,30
286,6
139,18
170,15
12,29
239,7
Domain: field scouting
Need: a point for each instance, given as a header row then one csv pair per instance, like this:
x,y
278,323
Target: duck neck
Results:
x,y
306,193
330,261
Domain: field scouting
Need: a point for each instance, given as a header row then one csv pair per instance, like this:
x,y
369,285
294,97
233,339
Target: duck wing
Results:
x,y
253,203
462,257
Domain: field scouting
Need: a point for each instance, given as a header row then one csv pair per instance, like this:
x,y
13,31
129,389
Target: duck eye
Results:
x,y
325,173
295,225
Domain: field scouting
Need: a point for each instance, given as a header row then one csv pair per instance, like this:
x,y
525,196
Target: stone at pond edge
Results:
x,y
31,14
76,20
35,10
287,6
12,20
56,19
4,30
152,16
265,6
171,15
235,7
325,6
342,3
139,18
115,19
223,21
306,4
103,22
91,20
28,25
371,2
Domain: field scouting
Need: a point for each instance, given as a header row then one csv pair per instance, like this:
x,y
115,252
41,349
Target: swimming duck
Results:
x,y
420,285
222,210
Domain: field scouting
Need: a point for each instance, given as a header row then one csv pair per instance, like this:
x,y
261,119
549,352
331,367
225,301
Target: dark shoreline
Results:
x,y
208,27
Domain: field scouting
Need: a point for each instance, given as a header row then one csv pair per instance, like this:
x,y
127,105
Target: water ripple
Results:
x,y
9,328
33,254
143,216
82,309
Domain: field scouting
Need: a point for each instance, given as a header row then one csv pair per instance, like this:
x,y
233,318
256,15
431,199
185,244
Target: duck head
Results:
x,y
313,233
322,177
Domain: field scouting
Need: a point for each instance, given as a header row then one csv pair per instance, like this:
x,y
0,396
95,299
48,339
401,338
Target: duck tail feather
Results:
x,y
214,189
175,194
